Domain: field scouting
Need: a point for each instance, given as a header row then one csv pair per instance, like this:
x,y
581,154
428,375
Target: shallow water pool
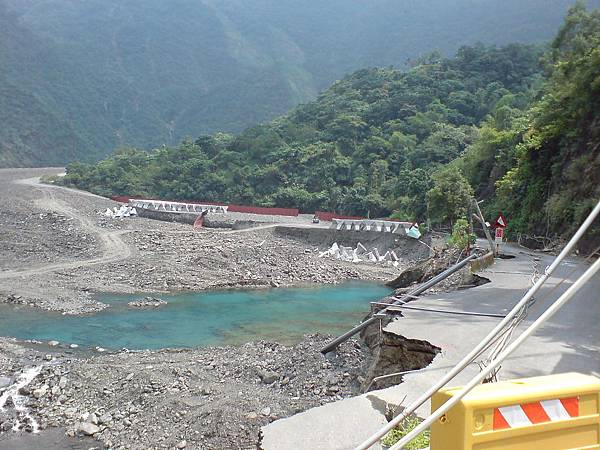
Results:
x,y
201,318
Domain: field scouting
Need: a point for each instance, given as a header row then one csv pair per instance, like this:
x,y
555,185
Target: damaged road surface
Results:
x,y
562,345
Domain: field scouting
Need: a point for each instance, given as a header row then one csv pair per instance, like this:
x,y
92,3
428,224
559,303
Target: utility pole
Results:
x,y
481,220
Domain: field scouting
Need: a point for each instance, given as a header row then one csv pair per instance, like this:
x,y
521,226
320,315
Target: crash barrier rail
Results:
x,y
401,300
384,226
293,212
328,216
484,344
552,412
196,207
176,207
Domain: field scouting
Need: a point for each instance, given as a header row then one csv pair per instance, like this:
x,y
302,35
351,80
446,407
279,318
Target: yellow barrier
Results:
x,y
555,412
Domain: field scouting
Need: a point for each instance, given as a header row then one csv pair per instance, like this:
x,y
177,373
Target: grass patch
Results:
x,y
403,428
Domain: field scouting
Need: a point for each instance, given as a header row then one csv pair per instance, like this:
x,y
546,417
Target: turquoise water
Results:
x,y
201,318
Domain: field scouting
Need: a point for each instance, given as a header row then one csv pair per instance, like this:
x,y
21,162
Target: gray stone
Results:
x,y
5,382
53,343
92,418
87,428
40,392
182,444
267,377
266,411
105,418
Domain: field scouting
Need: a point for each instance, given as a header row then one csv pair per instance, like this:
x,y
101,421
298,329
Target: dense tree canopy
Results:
x,y
80,78
503,124
367,145
541,164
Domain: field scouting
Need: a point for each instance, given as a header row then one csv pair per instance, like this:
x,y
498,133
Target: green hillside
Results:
x,y
515,125
365,145
78,79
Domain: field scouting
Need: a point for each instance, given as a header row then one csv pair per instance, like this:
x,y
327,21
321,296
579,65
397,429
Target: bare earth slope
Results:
x,y
56,249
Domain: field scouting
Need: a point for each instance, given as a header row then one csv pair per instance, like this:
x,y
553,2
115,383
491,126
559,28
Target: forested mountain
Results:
x,y
79,78
366,145
506,124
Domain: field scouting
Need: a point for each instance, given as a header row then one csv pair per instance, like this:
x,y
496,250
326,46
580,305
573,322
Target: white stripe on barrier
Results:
x,y
555,409
515,416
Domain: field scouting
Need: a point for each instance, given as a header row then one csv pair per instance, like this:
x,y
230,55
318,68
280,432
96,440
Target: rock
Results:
x,y
40,392
88,429
6,426
105,418
5,382
267,377
182,444
266,411
92,418
25,391
205,391
48,357
73,346
147,302
252,415
62,383
53,343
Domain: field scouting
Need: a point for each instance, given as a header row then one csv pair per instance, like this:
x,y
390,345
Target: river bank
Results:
x,y
58,251
215,397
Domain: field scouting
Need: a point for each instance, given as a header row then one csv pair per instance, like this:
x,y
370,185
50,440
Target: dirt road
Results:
x,y
113,247
57,250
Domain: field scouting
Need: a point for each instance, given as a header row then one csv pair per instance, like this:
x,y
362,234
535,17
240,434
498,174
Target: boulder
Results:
x,y
267,377
88,429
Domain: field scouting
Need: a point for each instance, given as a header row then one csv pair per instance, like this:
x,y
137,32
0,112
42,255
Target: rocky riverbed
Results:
x,y
57,250
196,399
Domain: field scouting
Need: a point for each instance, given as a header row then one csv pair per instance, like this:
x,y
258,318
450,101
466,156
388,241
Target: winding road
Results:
x,y
113,248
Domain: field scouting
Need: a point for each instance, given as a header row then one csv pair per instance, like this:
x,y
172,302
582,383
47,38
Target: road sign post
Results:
x,y
499,225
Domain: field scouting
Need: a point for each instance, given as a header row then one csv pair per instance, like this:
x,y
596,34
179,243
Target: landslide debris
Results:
x,y
209,397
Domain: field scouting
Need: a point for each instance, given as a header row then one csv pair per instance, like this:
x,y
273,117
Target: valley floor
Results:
x,y
57,251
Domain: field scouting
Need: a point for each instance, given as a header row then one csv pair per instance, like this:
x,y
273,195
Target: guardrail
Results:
x,y
403,299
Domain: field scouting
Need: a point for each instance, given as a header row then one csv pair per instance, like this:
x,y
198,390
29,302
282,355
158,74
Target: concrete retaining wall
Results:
x,y
188,218
482,262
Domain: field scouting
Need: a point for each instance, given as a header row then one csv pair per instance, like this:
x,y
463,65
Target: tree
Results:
x,y
450,196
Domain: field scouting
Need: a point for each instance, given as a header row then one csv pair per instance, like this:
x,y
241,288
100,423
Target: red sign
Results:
x,y
499,235
500,222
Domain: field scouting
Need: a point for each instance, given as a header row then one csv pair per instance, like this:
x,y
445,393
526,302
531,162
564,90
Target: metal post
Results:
x,y
422,288
489,338
485,228
558,304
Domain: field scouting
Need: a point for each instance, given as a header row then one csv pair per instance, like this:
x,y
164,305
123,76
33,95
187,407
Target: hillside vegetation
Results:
x,y
502,124
79,78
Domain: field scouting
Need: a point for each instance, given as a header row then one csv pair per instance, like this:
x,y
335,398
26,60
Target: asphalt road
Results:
x,y
569,341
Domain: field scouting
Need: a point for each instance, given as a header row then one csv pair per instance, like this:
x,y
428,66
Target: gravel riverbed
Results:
x,y
215,398
57,251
